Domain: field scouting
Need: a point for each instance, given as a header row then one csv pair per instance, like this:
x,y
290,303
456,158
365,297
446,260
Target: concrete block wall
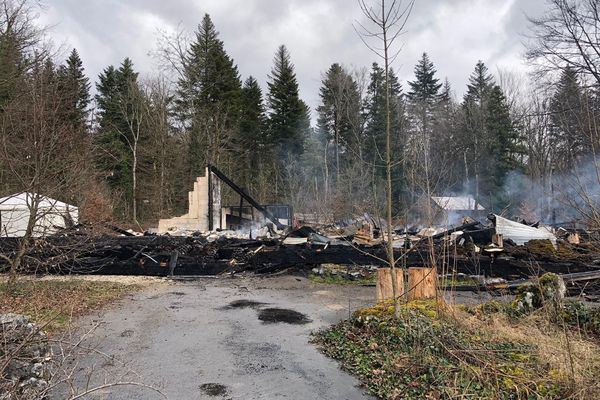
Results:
x,y
196,218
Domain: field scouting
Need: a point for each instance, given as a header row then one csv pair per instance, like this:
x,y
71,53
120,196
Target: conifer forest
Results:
x,y
300,199
127,147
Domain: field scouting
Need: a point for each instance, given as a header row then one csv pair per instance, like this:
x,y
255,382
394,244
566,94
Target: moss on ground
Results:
x,y
53,304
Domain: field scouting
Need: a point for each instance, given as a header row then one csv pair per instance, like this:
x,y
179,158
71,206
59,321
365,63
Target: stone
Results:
x,y
28,371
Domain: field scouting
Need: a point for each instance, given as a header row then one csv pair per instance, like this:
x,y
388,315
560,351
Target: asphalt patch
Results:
x,y
214,389
245,304
274,315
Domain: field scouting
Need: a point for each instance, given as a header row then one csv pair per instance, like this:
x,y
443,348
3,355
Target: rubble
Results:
x,y
521,233
503,249
26,356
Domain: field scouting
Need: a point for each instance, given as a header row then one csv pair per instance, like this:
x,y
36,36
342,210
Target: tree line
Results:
x,y
132,151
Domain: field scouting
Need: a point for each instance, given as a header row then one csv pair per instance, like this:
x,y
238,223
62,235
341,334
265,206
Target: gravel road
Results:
x,y
231,338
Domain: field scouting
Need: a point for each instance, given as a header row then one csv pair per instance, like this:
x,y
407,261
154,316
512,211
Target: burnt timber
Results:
x,y
167,255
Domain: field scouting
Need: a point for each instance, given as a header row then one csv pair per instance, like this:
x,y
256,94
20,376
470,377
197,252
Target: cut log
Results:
x,y
422,283
384,284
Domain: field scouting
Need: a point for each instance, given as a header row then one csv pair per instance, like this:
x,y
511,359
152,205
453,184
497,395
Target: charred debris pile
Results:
x,y
498,248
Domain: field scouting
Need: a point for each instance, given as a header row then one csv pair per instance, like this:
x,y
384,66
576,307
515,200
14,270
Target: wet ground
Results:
x,y
242,338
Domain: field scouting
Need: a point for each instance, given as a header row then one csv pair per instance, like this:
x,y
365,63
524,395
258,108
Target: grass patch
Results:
x,y
436,351
55,303
450,282
334,279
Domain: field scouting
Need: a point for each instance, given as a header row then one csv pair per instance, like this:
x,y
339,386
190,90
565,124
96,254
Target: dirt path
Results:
x,y
204,340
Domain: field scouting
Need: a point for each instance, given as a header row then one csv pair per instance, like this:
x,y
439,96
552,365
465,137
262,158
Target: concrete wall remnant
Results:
x,y
197,217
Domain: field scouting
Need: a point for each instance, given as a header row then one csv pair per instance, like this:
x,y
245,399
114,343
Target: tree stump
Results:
x,y
422,283
384,284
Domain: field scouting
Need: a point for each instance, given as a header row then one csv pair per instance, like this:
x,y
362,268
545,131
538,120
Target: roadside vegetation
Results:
x,y
495,350
53,304
331,279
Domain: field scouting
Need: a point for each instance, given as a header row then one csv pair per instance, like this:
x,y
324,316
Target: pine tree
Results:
x,y
480,84
75,87
446,141
114,139
12,65
505,147
425,88
475,140
253,120
568,127
287,113
375,129
208,98
446,93
253,143
423,98
339,109
375,115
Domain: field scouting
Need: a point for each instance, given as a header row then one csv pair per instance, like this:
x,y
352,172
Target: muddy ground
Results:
x,y
225,338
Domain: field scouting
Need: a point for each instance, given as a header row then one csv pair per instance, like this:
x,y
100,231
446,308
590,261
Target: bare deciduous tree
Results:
x,y
388,23
568,34
41,153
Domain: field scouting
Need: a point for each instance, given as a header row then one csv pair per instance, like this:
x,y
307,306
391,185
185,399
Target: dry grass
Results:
x,y
572,358
483,351
55,303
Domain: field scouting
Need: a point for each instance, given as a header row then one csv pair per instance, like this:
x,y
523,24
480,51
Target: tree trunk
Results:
x,y
388,170
24,243
337,152
134,182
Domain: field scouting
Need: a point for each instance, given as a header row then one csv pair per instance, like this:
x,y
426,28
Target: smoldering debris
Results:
x,y
497,248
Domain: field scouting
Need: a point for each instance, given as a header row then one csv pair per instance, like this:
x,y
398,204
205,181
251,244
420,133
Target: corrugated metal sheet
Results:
x,y
520,233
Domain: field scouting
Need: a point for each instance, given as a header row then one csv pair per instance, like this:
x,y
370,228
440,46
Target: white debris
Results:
x,y
521,233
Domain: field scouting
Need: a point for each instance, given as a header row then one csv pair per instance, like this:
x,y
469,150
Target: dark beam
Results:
x,y
245,196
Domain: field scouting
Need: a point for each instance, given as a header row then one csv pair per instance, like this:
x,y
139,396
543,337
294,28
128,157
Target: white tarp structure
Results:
x,y
521,233
457,203
51,216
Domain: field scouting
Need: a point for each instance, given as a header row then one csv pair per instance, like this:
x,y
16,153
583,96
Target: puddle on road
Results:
x,y
273,315
245,304
214,389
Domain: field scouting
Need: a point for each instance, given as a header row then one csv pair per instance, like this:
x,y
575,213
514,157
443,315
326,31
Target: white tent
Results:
x,y
51,216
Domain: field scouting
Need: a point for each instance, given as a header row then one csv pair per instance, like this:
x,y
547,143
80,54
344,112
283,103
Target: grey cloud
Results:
x,y
456,33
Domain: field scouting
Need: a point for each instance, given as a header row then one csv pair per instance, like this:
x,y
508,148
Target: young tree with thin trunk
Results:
x,y
388,23
340,104
42,155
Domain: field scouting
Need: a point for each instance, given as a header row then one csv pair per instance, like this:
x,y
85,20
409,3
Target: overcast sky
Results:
x,y
455,33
